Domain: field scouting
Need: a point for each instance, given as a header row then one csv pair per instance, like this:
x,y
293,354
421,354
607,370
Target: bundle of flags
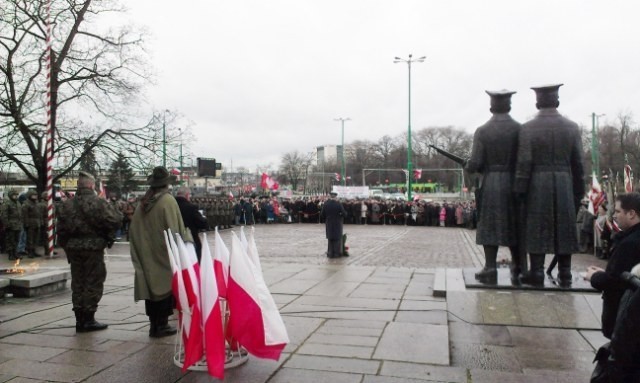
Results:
x,y
597,196
268,182
254,320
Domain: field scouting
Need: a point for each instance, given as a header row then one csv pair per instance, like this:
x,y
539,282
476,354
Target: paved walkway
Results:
x,y
368,318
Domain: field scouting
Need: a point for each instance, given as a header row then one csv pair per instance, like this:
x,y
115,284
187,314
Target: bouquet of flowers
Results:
x,y
345,248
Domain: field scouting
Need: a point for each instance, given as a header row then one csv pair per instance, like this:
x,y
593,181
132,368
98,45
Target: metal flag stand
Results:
x,y
235,356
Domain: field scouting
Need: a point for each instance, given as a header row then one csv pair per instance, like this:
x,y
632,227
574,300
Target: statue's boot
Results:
x,y
515,268
535,276
564,270
489,274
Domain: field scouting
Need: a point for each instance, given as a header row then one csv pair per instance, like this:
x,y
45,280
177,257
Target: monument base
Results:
x,y
504,282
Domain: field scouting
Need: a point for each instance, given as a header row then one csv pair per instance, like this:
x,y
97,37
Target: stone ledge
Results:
x,y
33,280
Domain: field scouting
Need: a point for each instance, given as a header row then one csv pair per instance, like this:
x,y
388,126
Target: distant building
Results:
x,y
327,154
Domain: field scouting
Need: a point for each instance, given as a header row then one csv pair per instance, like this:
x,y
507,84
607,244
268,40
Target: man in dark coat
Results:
x,y
494,152
625,255
549,177
193,220
87,225
333,213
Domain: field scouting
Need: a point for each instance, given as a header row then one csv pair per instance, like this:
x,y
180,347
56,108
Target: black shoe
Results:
x,y
88,323
533,279
162,331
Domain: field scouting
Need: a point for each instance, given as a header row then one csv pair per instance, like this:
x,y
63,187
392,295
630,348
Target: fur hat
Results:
x,y
160,177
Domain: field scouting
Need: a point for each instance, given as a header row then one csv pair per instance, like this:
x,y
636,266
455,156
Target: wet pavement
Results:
x,y
368,318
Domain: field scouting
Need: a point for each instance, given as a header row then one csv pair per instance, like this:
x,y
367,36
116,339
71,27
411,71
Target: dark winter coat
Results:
x,y
549,171
193,220
625,254
333,213
494,152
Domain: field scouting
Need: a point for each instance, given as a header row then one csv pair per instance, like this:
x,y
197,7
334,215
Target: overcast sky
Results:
x,y
260,78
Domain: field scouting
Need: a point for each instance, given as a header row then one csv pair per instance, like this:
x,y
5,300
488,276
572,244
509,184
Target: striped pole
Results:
x,y
49,141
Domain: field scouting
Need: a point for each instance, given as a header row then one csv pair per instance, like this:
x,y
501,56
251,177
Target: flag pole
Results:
x,y
49,141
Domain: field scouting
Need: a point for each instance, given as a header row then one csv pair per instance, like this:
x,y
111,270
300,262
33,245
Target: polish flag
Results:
x,y
214,348
254,319
243,240
252,252
628,179
417,174
193,348
596,196
221,264
178,287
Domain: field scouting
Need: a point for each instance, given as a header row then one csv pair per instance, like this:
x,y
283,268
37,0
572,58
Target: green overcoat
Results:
x,y
148,250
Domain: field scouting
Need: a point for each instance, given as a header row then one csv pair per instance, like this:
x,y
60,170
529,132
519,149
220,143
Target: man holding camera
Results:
x,y
86,226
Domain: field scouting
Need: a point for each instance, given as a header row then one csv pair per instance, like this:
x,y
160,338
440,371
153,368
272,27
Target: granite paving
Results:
x,y
369,318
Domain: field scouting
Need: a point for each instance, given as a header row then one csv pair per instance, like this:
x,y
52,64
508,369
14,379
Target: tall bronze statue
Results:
x,y
550,178
495,147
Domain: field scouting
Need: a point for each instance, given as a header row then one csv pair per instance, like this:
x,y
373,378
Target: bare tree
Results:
x,y
294,168
96,76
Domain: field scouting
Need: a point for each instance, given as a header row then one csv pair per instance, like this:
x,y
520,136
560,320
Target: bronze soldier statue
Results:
x,y
86,226
494,152
550,179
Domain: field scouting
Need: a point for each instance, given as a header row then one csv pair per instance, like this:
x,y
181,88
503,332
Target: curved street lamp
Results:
x,y
409,154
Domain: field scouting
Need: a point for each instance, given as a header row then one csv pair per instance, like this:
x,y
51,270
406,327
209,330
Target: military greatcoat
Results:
x,y
148,250
494,152
550,172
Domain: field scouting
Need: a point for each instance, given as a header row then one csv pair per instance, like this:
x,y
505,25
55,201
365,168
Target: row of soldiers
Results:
x,y
217,210
23,218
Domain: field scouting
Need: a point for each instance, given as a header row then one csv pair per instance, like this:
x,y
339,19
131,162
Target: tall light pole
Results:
x,y
595,155
342,174
409,154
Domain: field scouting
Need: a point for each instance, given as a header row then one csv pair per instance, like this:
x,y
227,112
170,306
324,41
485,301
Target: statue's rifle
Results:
x,y
463,162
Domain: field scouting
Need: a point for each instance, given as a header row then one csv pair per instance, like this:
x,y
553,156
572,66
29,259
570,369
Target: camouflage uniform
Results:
x,y
32,219
11,214
86,225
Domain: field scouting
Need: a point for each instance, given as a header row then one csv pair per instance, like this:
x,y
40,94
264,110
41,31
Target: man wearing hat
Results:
x,y
550,179
333,213
494,151
11,215
86,226
156,212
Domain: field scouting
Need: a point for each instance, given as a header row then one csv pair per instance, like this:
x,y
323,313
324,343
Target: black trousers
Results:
x,y
159,309
334,248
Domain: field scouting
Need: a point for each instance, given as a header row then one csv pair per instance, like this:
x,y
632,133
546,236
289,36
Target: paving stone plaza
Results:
x,y
369,318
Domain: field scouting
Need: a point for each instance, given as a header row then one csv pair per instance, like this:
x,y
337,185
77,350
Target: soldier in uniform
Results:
x,y
32,219
86,226
11,214
550,178
494,152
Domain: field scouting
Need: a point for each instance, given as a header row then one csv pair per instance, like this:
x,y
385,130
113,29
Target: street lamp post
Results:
x,y
409,154
342,173
595,158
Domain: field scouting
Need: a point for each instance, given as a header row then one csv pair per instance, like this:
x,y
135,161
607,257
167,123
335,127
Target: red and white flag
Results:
x,y
417,174
268,182
214,347
337,176
221,264
243,240
254,320
193,348
178,286
628,179
596,196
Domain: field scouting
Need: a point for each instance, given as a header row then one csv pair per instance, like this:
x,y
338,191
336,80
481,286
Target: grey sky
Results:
x,y
261,78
